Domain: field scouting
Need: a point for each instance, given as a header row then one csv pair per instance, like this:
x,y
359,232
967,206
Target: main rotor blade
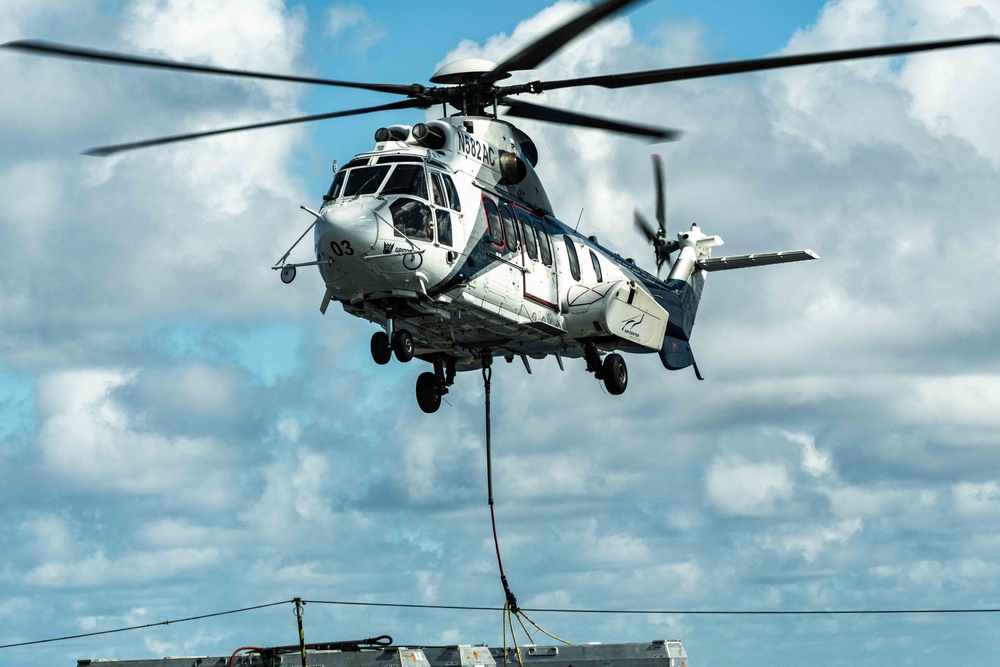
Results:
x,y
538,51
550,115
756,65
37,47
104,151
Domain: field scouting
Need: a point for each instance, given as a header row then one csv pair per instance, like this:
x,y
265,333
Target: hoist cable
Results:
x,y
487,361
511,608
142,627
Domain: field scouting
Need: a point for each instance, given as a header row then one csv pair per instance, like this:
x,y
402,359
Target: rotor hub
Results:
x,y
466,70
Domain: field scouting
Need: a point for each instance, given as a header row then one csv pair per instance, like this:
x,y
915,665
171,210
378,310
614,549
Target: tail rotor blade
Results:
x,y
661,194
647,229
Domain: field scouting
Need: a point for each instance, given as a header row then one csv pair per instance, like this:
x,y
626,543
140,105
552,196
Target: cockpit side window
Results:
x,y
411,218
407,179
454,202
442,216
364,181
437,189
444,227
336,186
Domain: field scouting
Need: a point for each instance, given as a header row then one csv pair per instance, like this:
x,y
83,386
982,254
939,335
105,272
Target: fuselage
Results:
x,y
447,228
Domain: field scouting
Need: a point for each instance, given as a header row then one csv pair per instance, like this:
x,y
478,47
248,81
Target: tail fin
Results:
x,y
684,286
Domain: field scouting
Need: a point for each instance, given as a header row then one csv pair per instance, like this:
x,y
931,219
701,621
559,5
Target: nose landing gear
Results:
x,y
402,345
391,341
381,352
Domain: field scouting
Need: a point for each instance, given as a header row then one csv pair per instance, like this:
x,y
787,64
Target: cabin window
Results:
x,y
597,266
444,227
507,218
544,247
411,218
574,261
493,227
528,235
407,179
336,186
449,186
364,181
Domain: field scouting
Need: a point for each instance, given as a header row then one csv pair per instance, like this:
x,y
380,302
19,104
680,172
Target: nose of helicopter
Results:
x,y
347,230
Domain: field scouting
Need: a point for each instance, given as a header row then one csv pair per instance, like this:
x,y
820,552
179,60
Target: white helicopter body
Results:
x,y
443,235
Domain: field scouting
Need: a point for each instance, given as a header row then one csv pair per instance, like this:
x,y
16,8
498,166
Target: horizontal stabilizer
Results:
x,y
676,354
758,259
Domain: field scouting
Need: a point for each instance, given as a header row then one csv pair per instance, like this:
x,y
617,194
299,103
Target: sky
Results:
x,y
182,434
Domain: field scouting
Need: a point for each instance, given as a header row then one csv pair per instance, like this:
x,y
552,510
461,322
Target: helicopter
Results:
x,y
443,236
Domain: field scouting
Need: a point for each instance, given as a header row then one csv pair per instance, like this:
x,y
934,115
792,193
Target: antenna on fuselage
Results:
x,y
579,218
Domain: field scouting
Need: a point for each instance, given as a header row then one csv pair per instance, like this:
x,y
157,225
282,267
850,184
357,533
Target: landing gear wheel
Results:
x,y
428,394
402,345
381,352
615,374
288,274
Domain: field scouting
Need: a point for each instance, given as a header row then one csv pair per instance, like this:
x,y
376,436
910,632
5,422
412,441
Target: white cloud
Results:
x,y
809,542
97,569
260,35
977,499
89,441
815,462
948,95
744,488
293,497
964,400
61,554
353,23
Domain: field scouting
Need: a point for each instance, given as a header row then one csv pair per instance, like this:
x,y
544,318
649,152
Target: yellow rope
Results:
x,y
517,648
558,639
525,628
504,623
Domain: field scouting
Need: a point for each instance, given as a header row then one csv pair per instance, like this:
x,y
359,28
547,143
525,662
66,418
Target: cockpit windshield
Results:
x,y
405,179
365,180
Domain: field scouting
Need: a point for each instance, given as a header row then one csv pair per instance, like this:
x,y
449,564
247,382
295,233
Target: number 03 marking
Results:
x,y
341,248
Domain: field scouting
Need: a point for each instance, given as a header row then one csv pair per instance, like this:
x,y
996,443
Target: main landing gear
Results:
x,y
612,370
432,386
